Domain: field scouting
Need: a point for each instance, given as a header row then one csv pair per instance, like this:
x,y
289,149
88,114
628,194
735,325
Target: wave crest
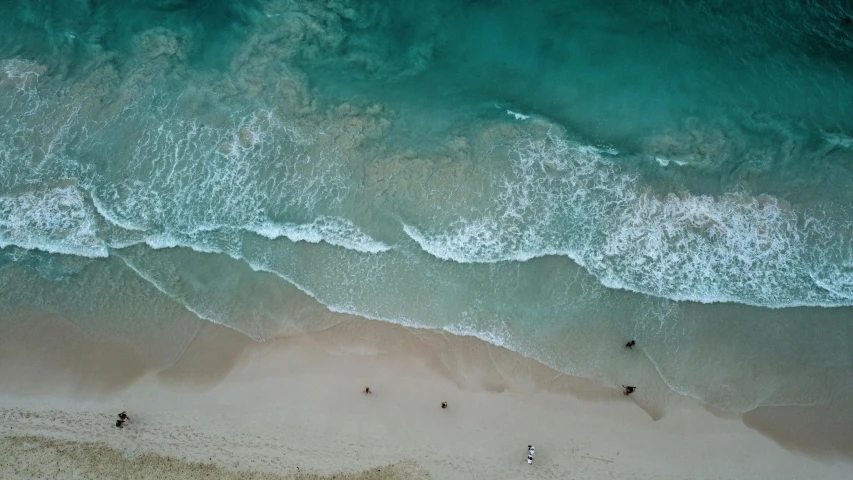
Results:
x,y
565,198
56,220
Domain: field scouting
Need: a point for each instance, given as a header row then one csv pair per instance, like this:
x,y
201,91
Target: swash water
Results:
x,y
555,177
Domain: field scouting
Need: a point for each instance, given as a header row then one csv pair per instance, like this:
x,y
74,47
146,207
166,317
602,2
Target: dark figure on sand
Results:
x,y
120,423
123,417
443,404
367,391
628,390
630,344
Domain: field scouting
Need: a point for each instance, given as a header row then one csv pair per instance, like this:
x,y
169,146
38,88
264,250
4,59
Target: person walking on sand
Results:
x,y
531,449
443,404
628,390
367,391
530,459
124,418
630,345
120,423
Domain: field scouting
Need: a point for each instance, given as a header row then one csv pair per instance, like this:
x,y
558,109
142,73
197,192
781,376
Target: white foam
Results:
x,y
110,216
704,249
517,116
21,73
334,231
171,240
479,241
566,199
663,162
497,335
208,238
55,220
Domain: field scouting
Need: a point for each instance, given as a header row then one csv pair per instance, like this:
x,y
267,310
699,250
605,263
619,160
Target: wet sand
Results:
x,y
230,406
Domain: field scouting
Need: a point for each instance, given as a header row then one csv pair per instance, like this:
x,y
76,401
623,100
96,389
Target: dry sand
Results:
x,y
293,408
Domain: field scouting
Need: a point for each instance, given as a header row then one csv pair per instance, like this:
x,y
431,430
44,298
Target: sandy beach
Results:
x,y
294,408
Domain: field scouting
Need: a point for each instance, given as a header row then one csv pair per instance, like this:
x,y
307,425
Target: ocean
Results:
x,y
553,177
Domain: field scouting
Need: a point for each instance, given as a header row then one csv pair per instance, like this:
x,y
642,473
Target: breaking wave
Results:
x,y
565,198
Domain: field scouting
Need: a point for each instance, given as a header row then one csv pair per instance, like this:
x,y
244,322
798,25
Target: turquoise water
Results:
x,y
553,177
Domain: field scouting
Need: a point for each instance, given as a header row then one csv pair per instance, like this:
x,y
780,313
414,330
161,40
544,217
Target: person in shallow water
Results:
x,y
630,344
367,391
628,390
443,404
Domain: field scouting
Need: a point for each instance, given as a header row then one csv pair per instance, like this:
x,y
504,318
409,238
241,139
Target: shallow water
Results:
x,y
553,177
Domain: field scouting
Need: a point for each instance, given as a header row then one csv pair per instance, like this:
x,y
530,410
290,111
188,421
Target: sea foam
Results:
x,y
334,231
565,198
55,220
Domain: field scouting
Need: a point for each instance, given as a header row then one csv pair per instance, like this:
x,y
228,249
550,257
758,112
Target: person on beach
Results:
x,y
120,423
630,345
628,390
443,404
123,417
530,459
530,449
367,391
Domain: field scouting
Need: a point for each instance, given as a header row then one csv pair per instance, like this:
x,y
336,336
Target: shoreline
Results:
x,y
238,405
